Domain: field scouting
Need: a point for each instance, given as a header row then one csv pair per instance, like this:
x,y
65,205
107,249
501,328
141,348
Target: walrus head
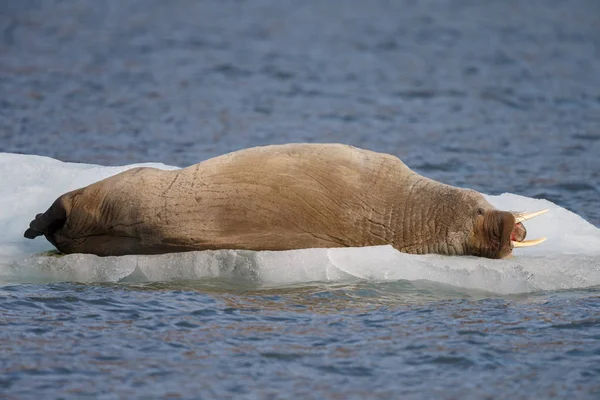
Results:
x,y
496,233
455,221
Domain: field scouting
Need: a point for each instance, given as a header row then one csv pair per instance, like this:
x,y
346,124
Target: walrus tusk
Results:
x,y
528,243
525,217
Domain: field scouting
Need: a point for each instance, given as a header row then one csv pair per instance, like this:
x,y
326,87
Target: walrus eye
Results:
x,y
480,211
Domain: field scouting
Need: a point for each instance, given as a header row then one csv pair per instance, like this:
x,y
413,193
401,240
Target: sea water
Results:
x,y
366,319
501,97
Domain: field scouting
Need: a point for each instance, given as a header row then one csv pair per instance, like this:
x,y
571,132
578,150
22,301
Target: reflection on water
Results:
x,y
357,296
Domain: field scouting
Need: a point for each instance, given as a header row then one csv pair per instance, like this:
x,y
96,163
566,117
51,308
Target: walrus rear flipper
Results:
x,y
48,222
34,227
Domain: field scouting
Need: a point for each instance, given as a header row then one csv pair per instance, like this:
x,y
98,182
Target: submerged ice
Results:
x,y
570,258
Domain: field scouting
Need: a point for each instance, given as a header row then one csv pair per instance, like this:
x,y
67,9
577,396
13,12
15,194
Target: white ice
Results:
x,y
570,258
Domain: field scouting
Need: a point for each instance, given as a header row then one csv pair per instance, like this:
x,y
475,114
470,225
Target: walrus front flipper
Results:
x,y
48,222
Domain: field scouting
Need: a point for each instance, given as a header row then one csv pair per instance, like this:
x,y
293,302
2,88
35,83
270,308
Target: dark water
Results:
x,y
500,96
364,340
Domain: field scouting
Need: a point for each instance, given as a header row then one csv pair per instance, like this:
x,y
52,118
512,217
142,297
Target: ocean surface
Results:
x,y
499,96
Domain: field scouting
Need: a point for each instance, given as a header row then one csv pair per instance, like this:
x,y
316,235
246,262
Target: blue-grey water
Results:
x,y
499,96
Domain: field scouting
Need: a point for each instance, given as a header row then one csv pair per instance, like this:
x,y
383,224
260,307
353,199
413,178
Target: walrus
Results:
x,y
280,197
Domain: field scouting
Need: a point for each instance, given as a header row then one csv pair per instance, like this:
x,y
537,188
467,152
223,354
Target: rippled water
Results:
x,y
358,340
497,96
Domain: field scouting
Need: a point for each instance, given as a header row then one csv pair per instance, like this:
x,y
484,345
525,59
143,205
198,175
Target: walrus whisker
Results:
x,y
527,216
528,243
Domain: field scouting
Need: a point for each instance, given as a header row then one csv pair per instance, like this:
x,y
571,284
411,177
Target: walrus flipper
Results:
x,y
48,222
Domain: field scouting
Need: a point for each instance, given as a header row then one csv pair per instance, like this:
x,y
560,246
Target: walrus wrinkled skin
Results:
x,y
278,198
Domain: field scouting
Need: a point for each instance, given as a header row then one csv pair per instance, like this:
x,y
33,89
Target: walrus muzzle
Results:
x,y
280,198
